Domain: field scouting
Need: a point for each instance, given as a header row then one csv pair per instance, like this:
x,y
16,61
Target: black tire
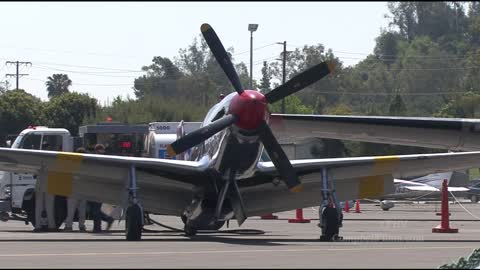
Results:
x,y
60,208
190,231
218,225
133,223
331,221
474,198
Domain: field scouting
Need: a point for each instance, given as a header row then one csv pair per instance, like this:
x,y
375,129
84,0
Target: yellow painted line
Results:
x,y
228,251
60,175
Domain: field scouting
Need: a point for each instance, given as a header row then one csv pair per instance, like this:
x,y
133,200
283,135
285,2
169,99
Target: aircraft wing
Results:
x,y
165,186
354,178
441,133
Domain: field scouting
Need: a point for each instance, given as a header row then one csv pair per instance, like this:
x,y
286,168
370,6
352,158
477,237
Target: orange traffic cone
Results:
x,y
346,208
444,226
357,207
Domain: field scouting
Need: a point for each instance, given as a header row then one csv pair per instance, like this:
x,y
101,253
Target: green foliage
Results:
x,y
465,106
266,77
57,85
149,110
18,110
293,105
70,111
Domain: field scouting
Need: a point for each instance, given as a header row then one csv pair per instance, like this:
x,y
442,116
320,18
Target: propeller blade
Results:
x,y
199,135
279,158
300,81
221,55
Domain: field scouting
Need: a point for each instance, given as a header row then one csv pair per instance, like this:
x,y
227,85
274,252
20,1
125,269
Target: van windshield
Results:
x,y
29,141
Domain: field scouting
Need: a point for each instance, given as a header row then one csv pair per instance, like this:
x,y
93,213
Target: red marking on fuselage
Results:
x,y
250,107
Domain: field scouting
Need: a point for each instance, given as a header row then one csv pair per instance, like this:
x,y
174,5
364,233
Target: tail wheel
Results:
x,y
133,223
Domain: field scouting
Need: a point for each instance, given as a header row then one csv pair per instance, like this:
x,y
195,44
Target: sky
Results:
x,y
102,46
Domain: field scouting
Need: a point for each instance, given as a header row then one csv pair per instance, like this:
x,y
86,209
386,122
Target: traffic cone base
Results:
x,y
439,229
269,216
299,218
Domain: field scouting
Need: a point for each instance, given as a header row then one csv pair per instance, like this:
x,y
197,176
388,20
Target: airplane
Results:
x,y
229,176
418,187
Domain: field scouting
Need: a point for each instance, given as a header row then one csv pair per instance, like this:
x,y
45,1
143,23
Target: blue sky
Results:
x,y
102,46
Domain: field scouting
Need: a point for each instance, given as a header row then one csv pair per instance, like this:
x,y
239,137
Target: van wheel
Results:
x,y
474,198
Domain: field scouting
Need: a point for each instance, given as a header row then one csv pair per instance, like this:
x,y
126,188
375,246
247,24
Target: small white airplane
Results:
x,y
417,188
227,177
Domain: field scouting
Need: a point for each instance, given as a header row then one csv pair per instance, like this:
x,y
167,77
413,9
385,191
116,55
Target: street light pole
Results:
x,y
252,28
284,61
284,73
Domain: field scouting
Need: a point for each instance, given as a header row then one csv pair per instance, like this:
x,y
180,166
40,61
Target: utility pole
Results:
x,y
17,75
284,59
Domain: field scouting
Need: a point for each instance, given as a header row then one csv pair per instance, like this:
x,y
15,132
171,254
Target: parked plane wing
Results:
x,y
442,133
165,186
360,177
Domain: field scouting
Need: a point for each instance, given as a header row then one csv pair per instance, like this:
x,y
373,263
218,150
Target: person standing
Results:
x,y
73,204
96,207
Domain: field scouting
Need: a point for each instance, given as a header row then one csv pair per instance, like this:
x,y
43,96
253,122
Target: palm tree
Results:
x,y
58,84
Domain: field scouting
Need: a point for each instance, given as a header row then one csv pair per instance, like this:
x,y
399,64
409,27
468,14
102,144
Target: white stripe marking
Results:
x,y
225,251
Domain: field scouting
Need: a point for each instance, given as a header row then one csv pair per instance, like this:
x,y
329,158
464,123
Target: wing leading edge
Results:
x,y
165,186
354,178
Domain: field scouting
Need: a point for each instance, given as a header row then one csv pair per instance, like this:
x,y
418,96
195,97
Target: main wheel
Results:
x,y
133,223
474,198
332,224
190,231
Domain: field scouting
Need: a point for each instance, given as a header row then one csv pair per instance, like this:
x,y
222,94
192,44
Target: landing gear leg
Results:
x,y
134,216
330,213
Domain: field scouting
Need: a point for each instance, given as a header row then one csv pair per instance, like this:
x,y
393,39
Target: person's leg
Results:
x,y
71,205
38,210
97,219
82,209
49,206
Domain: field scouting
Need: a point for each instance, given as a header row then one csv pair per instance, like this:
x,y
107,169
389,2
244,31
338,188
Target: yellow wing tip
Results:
x,y
331,65
205,27
297,188
170,151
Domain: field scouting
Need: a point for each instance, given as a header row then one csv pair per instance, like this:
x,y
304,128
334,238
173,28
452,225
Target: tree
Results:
x,y
70,111
397,106
161,79
57,85
18,110
266,77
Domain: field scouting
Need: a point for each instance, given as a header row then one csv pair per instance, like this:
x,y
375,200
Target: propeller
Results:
x,y
221,55
300,81
199,135
248,110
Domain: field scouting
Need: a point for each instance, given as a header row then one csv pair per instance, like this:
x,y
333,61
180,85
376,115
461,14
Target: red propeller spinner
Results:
x,y
250,108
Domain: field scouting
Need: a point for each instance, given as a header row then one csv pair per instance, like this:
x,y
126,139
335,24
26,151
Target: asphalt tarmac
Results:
x,y
399,238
